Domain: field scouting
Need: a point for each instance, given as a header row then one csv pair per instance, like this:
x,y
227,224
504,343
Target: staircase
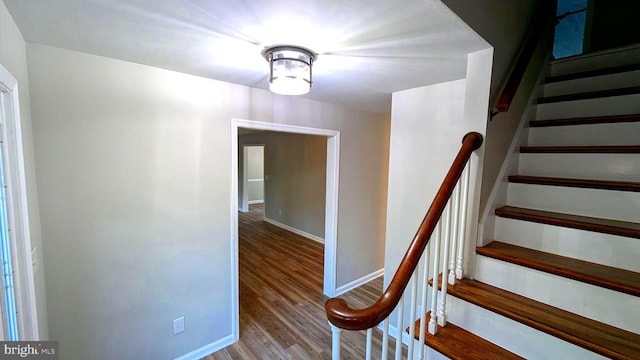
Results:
x,y
561,279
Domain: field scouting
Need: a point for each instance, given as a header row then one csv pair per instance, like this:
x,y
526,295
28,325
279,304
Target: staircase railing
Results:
x,y
542,20
444,254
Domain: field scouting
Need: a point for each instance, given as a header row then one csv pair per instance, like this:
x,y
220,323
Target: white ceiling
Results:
x,y
367,48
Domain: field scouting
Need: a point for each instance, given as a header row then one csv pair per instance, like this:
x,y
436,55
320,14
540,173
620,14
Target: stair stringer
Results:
x,y
498,194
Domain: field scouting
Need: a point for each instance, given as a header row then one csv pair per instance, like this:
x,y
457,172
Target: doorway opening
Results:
x,y
331,202
252,189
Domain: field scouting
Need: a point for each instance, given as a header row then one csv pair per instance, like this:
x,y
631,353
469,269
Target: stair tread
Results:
x,y
596,274
586,120
595,336
590,95
593,73
579,183
457,343
629,149
607,226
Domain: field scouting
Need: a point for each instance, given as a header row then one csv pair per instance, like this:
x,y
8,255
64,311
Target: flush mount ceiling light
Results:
x,y
289,69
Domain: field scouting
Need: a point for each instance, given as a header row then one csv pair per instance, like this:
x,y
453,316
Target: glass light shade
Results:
x,y
290,70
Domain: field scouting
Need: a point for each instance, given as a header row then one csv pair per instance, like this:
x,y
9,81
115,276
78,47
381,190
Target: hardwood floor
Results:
x,y
281,302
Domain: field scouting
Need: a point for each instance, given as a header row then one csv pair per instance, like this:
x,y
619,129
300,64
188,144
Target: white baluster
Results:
x,y
442,306
385,338
455,222
412,311
400,328
335,342
433,326
423,300
463,220
368,349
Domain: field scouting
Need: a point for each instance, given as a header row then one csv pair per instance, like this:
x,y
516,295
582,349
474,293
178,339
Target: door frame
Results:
x,y
17,209
331,204
244,194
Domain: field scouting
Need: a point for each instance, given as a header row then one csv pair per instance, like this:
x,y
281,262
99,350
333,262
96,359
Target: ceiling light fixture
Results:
x,y
289,69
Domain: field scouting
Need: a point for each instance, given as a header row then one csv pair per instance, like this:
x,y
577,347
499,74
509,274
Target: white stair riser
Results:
x,y
607,204
615,105
600,304
598,60
620,167
586,135
611,250
603,82
511,335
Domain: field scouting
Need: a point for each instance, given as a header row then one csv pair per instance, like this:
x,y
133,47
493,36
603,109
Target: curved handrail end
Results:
x,y
476,137
338,311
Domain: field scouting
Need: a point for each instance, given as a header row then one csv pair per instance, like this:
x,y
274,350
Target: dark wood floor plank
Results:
x,y
577,183
459,344
607,226
603,339
600,275
282,312
586,120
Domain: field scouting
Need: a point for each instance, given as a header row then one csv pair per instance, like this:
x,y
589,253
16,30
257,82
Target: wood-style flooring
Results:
x,y
281,302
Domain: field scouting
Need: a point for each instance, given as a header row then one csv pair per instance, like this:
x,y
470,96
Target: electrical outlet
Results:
x,y
178,325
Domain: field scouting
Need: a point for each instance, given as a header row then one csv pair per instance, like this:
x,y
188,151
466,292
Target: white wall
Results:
x,y
427,128
133,169
504,24
14,58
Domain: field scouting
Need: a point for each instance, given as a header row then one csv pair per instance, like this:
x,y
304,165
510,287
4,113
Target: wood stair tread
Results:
x,y
457,343
586,120
590,95
578,183
593,73
607,226
601,338
629,149
596,274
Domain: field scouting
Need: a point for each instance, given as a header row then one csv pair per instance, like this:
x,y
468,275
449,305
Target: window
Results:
x,y
569,34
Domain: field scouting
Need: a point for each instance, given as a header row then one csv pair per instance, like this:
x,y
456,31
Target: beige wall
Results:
x,y
364,153
295,186
134,168
13,57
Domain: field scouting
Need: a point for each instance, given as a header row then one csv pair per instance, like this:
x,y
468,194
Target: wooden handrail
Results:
x,y
544,16
338,311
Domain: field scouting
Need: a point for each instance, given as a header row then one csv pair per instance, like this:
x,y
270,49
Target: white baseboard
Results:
x,y
208,349
295,231
255,202
355,283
